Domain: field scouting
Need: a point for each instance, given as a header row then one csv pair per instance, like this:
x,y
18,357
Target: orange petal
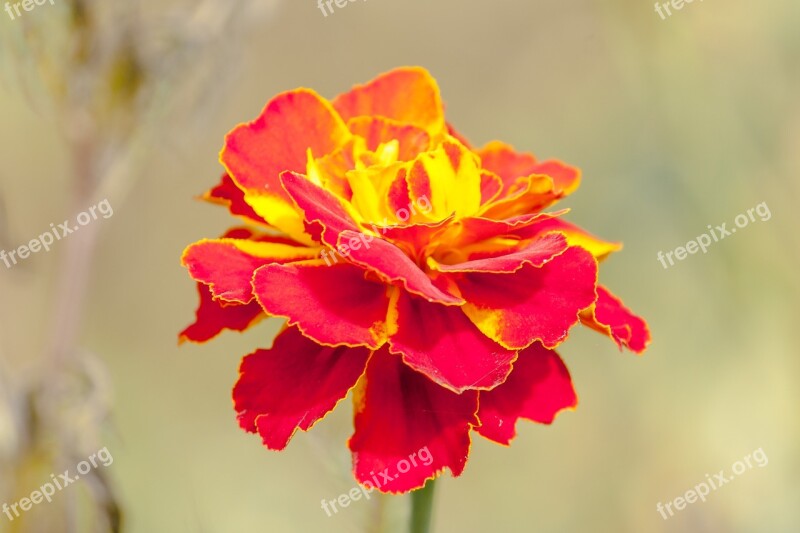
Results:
x,y
504,161
255,154
491,186
407,95
412,140
511,165
293,122
528,185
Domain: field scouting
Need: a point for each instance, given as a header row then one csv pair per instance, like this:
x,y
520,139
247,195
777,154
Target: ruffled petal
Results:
x,y
227,193
610,317
451,130
292,385
436,174
214,316
334,305
538,388
442,343
255,154
533,303
536,254
411,140
576,236
511,165
407,95
479,238
491,187
227,265
392,266
292,123
528,185
415,240
408,428
501,159
476,229
319,207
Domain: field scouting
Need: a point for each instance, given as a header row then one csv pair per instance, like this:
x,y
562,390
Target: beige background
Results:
x,y
676,124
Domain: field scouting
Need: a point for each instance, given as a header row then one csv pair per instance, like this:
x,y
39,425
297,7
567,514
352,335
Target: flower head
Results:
x,y
415,270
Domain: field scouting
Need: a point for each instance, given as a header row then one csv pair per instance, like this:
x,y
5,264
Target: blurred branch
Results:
x,y
116,80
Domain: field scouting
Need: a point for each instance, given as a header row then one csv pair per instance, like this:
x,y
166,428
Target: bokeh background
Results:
x,y
676,124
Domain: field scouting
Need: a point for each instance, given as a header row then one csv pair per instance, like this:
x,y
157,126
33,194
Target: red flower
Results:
x,y
413,269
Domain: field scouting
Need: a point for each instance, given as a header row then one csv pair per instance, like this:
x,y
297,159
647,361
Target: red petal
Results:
x,y
213,316
256,153
576,236
334,305
612,318
415,239
229,194
393,266
227,265
532,303
443,344
398,196
538,388
319,206
479,238
536,254
408,95
482,228
403,421
292,385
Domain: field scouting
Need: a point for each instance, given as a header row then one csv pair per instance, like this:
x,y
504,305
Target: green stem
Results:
x,y
422,508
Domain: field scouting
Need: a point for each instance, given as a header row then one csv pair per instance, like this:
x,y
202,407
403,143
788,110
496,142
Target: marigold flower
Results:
x,y
415,270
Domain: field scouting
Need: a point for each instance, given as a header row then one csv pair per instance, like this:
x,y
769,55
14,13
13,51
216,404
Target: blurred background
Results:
x,y
676,124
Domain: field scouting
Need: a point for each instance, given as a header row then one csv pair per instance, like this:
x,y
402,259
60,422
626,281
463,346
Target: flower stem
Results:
x,y
422,508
